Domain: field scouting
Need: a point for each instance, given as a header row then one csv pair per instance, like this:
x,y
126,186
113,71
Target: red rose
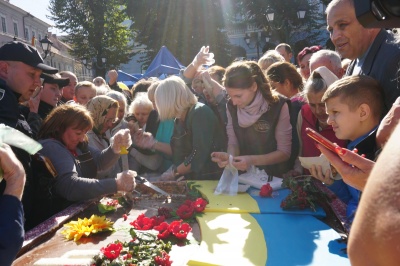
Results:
x,y
112,250
199,204
266,190
163,260
180,230
185,211
163,230
125,216
143,223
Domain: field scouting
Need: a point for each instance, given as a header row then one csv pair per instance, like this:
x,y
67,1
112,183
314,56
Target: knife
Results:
x,y
125,168
144,181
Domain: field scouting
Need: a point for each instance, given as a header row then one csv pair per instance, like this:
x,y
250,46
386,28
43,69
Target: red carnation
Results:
x,y
185,211
112,250
266,190
199,204
143,223
163,230
180,230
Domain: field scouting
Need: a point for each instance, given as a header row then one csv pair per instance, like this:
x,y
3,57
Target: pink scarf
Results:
x,y
250,114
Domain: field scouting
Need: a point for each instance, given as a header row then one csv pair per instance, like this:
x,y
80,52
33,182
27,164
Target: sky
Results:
x,y
38,8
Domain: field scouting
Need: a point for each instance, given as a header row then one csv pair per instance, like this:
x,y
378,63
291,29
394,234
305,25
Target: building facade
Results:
x,y
18,24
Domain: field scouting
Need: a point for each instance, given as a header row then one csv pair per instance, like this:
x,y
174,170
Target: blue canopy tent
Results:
x,y
127,79
164,63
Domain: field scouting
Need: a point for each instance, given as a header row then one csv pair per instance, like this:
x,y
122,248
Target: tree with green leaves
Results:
x,y
286,26
95,30
183,26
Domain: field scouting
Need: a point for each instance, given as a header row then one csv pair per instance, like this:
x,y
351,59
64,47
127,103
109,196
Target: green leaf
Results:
x,y
105,208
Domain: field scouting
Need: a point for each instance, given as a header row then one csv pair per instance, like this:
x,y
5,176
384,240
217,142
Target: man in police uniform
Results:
x,y
20,68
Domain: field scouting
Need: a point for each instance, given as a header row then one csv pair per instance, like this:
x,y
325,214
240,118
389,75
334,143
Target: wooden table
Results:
x,y
52,244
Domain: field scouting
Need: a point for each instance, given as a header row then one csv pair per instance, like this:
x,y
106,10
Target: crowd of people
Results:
x,y
192,125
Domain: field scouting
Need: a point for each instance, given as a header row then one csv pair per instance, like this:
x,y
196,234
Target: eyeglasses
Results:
x,y
111,120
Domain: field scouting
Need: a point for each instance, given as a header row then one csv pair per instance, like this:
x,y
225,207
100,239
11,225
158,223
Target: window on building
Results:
x,y
26,34
15,29
3,24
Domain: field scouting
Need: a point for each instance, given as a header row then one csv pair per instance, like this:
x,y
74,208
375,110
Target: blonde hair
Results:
x,y
86,84
173,97
100,80
151,91
270,57
141,99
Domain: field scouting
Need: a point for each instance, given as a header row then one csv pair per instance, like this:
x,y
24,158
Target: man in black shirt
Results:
x,y
20,68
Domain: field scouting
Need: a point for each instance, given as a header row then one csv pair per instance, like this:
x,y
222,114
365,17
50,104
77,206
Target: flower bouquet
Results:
x,y
153,237
304,193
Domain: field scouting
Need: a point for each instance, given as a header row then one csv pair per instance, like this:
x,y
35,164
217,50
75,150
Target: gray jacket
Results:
x,y
69,183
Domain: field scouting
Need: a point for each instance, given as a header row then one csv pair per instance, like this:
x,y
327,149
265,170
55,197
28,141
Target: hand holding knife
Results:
x,y
139,179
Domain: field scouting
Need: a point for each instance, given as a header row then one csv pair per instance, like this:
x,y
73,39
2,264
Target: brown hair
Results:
x,y
356,90
141,86
62,117
280,71
242,74
219,71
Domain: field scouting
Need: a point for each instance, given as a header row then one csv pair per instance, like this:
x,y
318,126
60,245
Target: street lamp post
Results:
x,y
46,45
255,37
287,25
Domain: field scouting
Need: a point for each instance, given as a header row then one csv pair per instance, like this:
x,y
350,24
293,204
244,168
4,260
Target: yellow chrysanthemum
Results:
x,y
84,227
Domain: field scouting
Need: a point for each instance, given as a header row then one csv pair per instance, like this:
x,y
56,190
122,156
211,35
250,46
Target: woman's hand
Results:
x,y
203,57
168,175
241,163
121,139
316,171
353,168
211,87
221,158
126,181
145,141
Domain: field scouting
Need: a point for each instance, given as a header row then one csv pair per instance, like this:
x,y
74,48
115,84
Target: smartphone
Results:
x,y
320,139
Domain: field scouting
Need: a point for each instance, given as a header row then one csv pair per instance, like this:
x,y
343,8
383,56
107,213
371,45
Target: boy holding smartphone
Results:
x,y
354,106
